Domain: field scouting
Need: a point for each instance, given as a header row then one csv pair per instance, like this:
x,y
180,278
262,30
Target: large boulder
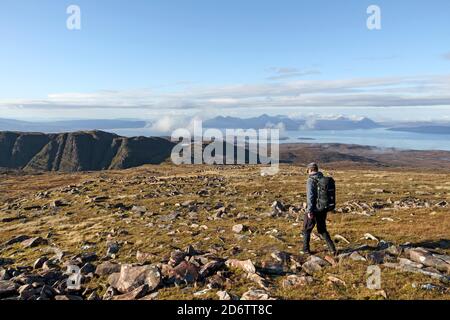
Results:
x,y
425,257
132,277
314,264
8,289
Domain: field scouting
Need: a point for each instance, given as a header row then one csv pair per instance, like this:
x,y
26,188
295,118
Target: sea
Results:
x,y
380,137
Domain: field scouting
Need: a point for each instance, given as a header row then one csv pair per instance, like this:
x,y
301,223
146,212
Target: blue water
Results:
x,y
374,137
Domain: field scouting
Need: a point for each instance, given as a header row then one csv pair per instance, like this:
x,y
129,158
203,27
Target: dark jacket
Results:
x,y
311,192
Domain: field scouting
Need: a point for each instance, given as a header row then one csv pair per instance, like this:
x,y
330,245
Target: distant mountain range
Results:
x,y
261,122
311,123
68,125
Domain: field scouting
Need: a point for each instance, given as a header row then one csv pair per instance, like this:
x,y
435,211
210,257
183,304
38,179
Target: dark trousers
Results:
x,y
319,219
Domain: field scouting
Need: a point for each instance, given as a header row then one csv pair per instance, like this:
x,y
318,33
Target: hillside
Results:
x,y
79,151
225,232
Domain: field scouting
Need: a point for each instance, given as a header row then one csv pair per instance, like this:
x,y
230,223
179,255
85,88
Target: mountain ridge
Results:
x,y
79,151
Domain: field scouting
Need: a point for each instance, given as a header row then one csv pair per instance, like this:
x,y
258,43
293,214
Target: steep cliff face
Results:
x,y
79,151
17,149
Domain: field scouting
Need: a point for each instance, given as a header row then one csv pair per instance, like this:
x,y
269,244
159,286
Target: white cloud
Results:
x,y
361,92
287,72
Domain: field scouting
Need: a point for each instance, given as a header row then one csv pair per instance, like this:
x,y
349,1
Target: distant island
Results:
x,y
428,129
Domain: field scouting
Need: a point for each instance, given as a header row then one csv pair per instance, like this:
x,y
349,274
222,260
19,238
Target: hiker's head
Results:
x,y
312,168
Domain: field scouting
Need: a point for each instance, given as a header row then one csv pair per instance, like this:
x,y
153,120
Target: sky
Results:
x,y
147,59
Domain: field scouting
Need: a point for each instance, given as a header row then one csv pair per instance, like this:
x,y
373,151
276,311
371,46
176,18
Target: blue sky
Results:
x,y
146,58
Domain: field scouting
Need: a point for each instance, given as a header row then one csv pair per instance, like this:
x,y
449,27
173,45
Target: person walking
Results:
x,y
320,200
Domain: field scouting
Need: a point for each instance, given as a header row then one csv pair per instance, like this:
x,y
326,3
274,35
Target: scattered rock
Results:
x,y
7,289
260,281
170,217
273,267
223,295
376,257
294,281
132,277
176,257
137,293
355,256
39,262
210,267
112,249
314,264
369,236
88,268
238,228
144,257
245,265
185,272
107,268
15,240
338,237
34,242
423,256
139,209
336,281
256,294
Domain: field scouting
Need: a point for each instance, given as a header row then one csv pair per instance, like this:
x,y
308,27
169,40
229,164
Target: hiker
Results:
x,y
320,199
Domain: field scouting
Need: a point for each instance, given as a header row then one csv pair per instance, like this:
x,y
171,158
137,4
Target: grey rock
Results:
x,y
137,293
223,295
8,289
185,272
238,228
15,240
88,268
39,262
112,248
425,257
355,256
245,265
176,257
210,268
34,242
107,268
131,277
376,257
256,294
295,281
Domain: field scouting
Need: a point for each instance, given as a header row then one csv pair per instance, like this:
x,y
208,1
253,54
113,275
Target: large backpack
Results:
x,y
326,194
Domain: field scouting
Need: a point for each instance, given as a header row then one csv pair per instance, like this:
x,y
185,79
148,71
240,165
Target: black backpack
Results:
x,y
326,194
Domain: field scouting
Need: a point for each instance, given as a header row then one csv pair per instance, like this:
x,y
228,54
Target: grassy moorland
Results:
x,y
151,211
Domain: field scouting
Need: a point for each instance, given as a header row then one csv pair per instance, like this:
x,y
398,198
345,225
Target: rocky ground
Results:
x,y
198,232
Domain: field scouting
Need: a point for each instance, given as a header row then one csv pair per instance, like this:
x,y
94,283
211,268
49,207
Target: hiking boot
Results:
x,y
306,240
330,243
